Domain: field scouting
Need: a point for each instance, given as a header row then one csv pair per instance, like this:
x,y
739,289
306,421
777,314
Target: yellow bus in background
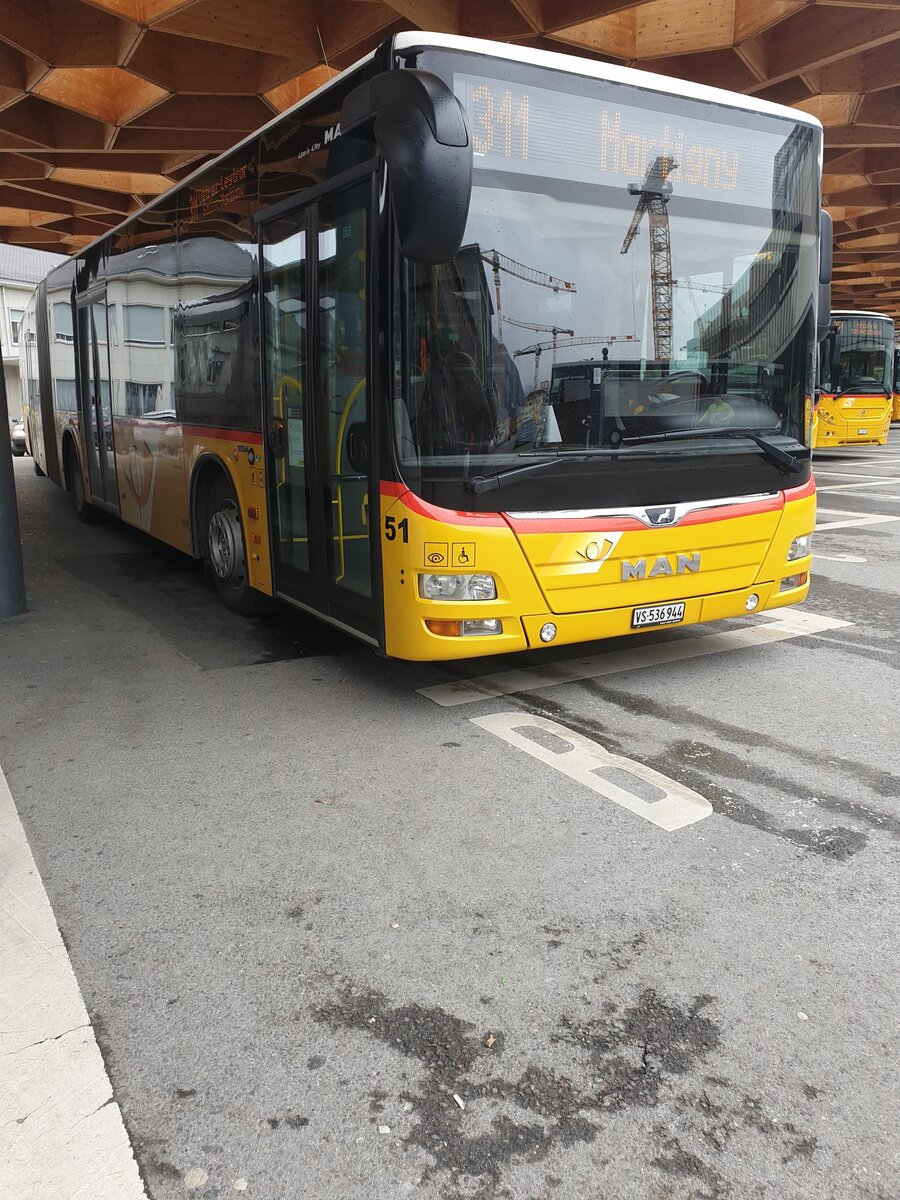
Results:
x,y
895,416
856,381
478,348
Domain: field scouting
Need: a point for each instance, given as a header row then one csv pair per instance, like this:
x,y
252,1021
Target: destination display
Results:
x,y
867,328
549,133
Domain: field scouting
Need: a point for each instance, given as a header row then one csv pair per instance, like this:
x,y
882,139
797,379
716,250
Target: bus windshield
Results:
x,y
633,264
858,355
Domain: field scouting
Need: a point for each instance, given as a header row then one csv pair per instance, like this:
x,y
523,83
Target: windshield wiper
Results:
x,y
784,460
486,483
858,391
479,484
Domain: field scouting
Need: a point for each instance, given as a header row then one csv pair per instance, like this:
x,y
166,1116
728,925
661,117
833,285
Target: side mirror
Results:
x,y
421,129
826,241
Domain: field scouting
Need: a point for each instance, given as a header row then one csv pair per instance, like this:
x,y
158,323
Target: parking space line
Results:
x,y
850,460
61,1131
781,625
864,483
849,475
854,519
868,495
673,806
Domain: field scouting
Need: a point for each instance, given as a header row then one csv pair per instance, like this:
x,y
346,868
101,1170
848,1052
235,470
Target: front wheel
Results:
x,y
227,555
84,510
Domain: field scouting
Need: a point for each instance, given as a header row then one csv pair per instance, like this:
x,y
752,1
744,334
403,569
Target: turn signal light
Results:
x,y
253,513
793,581
444,628
489,626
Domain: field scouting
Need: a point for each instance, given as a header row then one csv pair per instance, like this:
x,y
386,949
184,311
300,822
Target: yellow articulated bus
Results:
x,y
478,348
895,415
856,369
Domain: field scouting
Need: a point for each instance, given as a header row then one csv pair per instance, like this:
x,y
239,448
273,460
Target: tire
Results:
x,y
226,552
18,453
84,510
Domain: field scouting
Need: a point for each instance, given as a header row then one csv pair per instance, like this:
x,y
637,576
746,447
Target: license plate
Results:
x,y
657,614
861,432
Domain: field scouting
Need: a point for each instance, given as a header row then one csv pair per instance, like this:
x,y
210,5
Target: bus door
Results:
x,y
316,321
96,400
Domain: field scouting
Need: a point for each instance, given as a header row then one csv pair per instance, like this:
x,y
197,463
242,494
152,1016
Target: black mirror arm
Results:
x,y
421,130
826,247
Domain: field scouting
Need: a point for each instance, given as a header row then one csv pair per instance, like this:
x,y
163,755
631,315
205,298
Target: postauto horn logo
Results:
x,y
598,550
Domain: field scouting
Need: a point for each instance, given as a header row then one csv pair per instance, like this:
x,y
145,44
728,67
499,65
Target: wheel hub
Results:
x,y
226,545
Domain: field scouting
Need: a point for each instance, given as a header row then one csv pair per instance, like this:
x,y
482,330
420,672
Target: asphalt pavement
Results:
x,y
345,931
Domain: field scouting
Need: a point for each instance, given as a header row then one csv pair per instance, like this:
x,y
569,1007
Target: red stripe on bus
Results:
x,y
728,512
225,435
801,492
449,516
701,516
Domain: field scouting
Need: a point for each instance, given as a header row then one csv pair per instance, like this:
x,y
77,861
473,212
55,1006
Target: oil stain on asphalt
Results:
x,y
475,1122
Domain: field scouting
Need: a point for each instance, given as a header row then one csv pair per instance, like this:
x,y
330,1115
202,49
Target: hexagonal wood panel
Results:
x,y
104,103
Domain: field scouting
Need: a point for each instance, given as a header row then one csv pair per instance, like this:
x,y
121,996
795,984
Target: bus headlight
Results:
x,y
457,587
800,547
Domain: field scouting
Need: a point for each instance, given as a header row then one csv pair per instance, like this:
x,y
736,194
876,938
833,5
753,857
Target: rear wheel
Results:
x,y
226,552
84,510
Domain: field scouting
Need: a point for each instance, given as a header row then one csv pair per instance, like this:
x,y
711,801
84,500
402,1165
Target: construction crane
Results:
x,y
538,349
502,262
653,196
692,288
720,289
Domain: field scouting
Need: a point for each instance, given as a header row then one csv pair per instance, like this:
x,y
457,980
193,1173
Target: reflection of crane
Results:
x,y
719,288
502,262
538,349
692,287
653,196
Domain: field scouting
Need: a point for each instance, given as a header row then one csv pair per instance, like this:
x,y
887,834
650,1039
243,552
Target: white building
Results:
x,y
21,270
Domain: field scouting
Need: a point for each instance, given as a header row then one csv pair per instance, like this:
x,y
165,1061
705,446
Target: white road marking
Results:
x,y
844,558
859,484
855,519
848,475
61,1131
868,496
821,637
863,459
587,762
782,624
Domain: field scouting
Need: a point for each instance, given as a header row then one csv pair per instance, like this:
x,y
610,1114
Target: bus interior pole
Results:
x,y
12,577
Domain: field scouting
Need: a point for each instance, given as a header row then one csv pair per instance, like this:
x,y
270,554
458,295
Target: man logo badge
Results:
x,y
661,516
684,564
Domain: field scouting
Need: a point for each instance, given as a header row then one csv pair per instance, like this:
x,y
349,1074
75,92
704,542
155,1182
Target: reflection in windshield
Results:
x,y
581,311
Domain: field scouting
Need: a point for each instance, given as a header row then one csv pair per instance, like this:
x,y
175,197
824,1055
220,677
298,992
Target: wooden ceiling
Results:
x,y
104,103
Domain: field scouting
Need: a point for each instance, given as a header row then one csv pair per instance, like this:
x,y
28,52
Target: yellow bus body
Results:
x,y
548,570
852,420
544,574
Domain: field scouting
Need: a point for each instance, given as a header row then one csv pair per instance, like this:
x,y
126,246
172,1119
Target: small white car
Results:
x,y
17,437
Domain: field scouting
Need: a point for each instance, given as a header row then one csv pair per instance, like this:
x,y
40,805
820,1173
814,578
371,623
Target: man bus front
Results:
x,y
856,381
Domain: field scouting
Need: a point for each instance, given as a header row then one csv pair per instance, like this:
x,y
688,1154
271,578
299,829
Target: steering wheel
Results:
x,y
662,394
